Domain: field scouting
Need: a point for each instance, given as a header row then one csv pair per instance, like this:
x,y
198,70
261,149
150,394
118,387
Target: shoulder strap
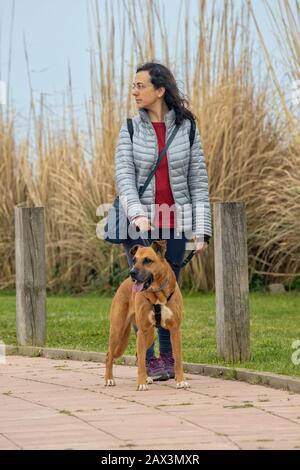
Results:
x,y
162,153
192,132
130,128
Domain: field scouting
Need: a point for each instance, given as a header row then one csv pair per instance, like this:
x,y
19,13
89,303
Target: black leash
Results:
x,y
186,261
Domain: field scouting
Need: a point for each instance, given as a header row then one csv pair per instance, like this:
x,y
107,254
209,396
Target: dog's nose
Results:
x,y
133,273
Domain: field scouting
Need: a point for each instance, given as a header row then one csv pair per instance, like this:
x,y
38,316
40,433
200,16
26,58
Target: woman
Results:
x,y
179,185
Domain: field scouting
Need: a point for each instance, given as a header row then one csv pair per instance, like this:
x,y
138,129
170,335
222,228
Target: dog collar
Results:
x,y
162,287
170,295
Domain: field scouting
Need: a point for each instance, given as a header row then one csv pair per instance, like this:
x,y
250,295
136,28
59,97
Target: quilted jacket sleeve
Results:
x,y
198,188
126,176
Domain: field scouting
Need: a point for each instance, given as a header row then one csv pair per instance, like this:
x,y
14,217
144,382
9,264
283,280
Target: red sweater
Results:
x,y
163,191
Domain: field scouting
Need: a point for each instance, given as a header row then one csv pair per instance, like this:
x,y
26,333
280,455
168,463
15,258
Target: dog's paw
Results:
x,y
142,387
110,383
149,380
183,384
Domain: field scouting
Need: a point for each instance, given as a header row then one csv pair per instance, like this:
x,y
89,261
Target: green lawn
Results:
x,y
82,323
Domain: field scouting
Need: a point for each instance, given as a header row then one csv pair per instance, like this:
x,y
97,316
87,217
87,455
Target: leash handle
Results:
x,y
188,258
186,261
145,241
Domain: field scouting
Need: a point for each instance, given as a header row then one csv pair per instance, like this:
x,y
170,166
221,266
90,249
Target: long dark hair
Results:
x,y
161,76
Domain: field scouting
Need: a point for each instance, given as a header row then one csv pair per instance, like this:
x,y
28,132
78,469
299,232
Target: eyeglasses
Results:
x,y
139,86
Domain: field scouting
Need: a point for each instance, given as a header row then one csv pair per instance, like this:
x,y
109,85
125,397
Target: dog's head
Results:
x,y
147,264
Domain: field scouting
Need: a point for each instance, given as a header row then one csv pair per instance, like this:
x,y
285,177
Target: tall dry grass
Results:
x,y
279,255
249,157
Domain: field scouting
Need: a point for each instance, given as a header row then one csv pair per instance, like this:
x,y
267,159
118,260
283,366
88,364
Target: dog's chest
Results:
x,y
161,315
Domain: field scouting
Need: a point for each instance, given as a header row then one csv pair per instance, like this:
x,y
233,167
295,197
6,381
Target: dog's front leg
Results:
x,y
141,346
175,335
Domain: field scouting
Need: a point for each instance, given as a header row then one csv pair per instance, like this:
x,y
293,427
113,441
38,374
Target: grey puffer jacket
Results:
x,y
187,173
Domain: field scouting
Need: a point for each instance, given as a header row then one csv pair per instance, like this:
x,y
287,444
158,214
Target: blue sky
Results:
x,y
57,33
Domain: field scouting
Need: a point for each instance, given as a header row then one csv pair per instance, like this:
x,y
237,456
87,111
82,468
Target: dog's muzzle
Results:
x,y
140,282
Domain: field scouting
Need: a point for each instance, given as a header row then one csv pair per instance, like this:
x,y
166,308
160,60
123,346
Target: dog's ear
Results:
x,y
160,247
133,250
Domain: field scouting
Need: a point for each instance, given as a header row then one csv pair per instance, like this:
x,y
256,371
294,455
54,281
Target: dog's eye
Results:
x,y
147,261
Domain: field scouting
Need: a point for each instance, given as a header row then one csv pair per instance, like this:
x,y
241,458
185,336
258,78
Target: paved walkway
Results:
x,y
58,404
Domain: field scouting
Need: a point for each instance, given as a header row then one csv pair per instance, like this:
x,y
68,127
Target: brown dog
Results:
x,y
152,283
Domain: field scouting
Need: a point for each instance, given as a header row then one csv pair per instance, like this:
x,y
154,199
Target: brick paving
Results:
x,y
63,404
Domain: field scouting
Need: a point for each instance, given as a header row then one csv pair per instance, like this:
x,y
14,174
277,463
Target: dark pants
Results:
x,y
175,253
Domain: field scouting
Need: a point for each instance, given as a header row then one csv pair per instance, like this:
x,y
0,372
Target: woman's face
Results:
x,y
144,92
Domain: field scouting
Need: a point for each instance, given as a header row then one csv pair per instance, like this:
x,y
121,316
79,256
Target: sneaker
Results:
x,y
168,361
156,369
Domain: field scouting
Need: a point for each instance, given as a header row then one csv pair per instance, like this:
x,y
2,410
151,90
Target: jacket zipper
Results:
x,y
171,184
156,154
156,149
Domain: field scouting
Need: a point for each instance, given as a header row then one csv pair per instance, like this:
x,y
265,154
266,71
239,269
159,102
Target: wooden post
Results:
x,y
231,281
30,276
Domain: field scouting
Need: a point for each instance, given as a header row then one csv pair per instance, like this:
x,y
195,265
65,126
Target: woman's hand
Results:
x,y
200,246
142,223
